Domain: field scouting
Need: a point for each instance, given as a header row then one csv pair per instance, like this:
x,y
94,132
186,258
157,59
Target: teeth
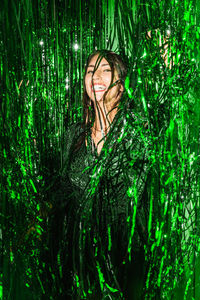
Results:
x,y
99,87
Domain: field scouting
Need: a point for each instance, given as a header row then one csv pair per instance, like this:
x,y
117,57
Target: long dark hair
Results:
x,y
115,61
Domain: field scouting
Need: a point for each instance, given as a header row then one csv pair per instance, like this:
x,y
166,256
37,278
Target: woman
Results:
x,y
96,204
103,85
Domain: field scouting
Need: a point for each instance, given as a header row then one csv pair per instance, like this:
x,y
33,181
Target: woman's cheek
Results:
x,y
113,92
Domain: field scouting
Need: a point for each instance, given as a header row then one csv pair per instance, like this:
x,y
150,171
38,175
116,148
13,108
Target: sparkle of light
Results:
x,y
76,47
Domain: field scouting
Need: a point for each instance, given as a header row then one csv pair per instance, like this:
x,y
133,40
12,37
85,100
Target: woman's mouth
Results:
x,y
98,88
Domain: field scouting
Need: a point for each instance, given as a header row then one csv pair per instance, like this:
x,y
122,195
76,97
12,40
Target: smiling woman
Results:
x,y
104,78
98,82
94,223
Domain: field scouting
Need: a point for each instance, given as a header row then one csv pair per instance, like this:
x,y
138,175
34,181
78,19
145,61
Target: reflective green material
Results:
x,y
43,48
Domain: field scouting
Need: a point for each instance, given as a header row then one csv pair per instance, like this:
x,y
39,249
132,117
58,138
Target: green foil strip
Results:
x,y
43,49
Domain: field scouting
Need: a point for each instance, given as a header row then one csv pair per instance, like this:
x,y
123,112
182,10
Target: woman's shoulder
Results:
x,y
71,132
73,129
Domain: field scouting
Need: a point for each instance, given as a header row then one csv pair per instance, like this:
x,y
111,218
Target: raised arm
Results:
x,y
165,48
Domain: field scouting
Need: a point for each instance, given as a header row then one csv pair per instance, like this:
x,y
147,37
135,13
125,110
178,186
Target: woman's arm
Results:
x,y
165,49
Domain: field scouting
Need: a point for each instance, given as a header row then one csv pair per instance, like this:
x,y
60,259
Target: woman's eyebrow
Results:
x,y
101,65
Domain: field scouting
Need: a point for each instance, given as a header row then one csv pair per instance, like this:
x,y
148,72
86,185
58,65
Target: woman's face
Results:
x,y
101,80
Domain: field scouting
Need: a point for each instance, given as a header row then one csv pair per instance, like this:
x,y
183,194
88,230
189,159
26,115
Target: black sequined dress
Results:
x,y
102,216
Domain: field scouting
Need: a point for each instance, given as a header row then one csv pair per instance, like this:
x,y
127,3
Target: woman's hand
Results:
x,y
165,50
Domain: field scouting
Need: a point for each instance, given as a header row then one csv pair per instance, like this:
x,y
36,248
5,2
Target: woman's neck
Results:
x,y
106,121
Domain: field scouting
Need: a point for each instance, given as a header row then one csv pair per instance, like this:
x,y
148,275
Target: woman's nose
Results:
x,y
97,74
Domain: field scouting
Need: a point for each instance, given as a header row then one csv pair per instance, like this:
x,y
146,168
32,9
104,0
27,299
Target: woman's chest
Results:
x,y
80,167
98,142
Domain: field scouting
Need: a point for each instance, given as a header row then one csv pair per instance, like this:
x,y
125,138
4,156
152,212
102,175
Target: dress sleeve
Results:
x,y
68,139
61,219
62,188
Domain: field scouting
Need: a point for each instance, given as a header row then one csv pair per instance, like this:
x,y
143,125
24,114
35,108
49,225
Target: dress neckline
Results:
x,y
91,143
93,146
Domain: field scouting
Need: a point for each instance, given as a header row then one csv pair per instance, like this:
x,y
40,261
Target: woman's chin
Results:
x,y
98,98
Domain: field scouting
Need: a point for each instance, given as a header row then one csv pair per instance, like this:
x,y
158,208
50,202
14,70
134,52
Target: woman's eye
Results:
x,y
106,70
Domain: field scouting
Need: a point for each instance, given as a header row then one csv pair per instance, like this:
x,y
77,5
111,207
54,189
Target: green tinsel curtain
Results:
x,y
43,50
